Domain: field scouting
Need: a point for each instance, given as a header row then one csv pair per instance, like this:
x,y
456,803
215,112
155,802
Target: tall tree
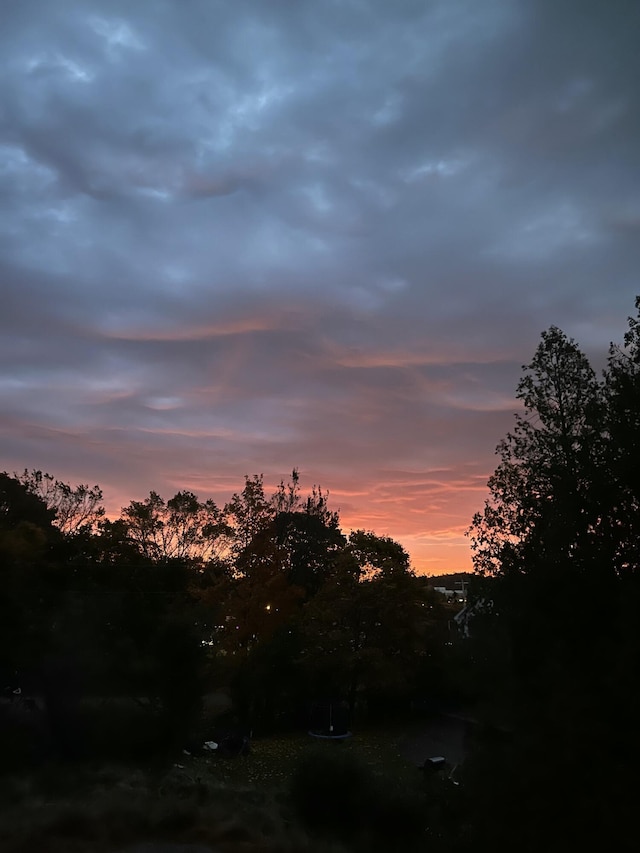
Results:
x,y
378,555
544,504
296,545
622,383
182,528
26,536
549,543
369,627
540,534
248,512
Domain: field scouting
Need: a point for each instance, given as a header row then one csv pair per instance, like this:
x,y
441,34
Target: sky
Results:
x,y
243,237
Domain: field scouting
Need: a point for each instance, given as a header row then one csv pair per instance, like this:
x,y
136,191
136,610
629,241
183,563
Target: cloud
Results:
x,y
324,235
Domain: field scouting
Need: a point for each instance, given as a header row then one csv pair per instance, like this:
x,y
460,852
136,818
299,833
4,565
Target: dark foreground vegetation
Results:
x,y
126,645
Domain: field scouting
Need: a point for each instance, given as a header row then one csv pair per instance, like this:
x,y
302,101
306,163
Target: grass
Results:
x,y
232,804
271,760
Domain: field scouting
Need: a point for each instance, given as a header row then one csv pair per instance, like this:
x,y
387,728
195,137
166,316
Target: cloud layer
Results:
x,y
242,237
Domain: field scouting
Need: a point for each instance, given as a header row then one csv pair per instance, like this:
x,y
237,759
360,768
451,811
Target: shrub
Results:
x,y
333,792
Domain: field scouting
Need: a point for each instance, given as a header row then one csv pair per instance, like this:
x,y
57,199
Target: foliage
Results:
x,y
544,505
267,596
336,795
622,388
27,589
248,512
298,545
75,509
181,528
368,632
377,555
333,792
557,546
20,505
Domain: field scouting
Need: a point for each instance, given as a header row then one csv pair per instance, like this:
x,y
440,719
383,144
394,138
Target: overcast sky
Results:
x,y
239,237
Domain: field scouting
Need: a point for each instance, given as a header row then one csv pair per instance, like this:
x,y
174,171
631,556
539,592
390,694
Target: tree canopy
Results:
x,y
556,550
265,594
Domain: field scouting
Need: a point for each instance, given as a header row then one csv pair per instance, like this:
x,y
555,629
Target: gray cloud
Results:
x,y
242,237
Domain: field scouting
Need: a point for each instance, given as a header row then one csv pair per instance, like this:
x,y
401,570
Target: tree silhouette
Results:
x,y
556,545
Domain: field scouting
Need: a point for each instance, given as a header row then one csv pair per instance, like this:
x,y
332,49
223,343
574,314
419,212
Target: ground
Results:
x,y
200,799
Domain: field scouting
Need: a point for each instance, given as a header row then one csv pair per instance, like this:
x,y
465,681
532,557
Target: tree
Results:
x,y
33,596
250,512
20,505
377,555
622,386
75,509
298,546
181,528
286,499
369,627
553,544
544,505
26,538
247,512
283,551
541,532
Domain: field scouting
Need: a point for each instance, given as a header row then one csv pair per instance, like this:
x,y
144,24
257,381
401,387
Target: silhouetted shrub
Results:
x,y
333,792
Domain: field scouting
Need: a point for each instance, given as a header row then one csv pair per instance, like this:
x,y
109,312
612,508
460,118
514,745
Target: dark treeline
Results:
x,y
265,598
554,628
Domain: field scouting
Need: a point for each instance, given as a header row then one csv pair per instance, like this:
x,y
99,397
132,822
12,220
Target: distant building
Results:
x,y
458,593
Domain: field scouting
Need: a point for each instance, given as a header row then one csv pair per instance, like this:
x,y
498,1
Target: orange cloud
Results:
x,y
453,355
205,331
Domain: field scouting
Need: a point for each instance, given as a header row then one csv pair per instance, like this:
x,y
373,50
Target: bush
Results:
x,y
333,792
338,797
